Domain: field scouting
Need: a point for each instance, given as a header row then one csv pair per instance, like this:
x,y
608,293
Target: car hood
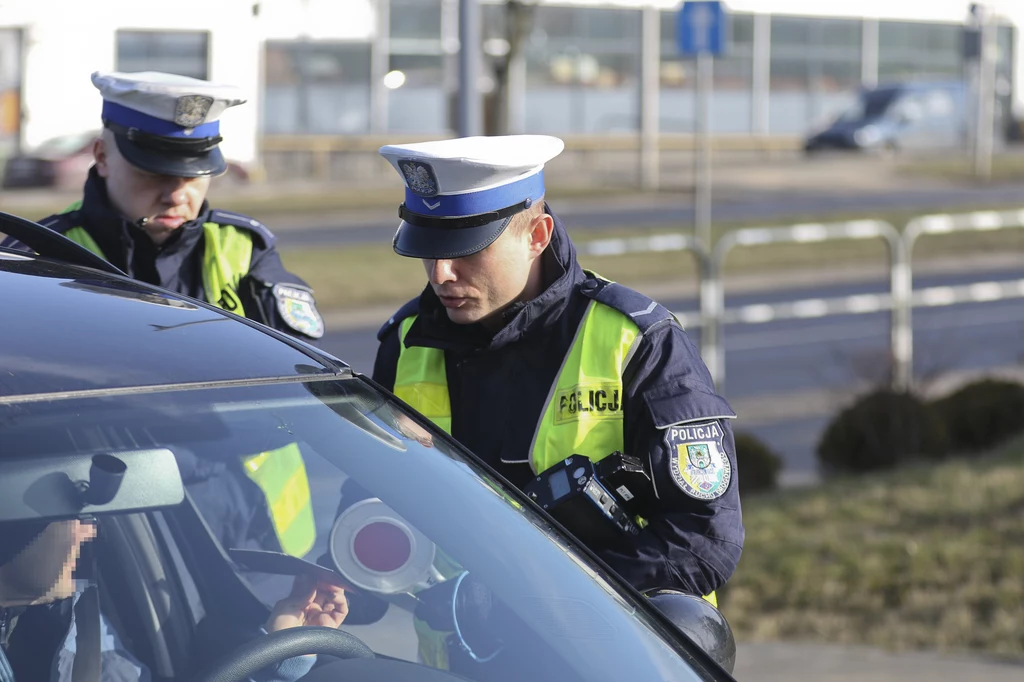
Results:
x,y
72,329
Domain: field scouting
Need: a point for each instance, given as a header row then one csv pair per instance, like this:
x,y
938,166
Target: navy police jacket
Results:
x,y
500,382
177,264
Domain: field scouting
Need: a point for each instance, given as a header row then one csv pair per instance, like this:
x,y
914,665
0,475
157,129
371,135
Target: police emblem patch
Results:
x,y
697,459
298,310
420,177
191,110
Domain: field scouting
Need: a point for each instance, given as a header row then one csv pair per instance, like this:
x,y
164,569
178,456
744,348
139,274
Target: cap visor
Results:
x,y
193,166
434,243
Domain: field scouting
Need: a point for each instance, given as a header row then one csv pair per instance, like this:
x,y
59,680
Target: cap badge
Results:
x,y
420,177
191,110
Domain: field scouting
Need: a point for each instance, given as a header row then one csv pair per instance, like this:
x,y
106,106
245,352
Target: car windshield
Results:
x,y
870,105
376,496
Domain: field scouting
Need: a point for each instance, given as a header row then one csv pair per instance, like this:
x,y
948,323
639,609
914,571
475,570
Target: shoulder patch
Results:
x,y
298,309
245,222
698,462
642,310
408,310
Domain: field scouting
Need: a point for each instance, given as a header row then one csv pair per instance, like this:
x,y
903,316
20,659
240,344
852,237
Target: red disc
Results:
x,y
382,547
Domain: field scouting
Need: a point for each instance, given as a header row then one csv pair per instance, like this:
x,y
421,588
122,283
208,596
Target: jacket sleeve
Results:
x,y
677,423
278,298
385,364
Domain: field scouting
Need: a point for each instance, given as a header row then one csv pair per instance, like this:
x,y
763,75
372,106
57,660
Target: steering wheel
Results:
x,y
246,660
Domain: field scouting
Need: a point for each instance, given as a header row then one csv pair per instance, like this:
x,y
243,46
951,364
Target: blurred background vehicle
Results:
x,y
900,116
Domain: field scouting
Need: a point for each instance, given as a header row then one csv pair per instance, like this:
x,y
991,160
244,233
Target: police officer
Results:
x,y
526,358
145,210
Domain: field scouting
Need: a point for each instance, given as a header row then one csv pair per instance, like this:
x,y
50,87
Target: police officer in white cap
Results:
x,y
145,208
527,359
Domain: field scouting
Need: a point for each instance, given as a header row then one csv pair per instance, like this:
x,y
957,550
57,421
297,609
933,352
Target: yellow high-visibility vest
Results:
x,y
584,413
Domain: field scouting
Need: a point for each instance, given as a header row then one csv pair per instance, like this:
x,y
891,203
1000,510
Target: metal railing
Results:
x,y
713,292
899,301
978,221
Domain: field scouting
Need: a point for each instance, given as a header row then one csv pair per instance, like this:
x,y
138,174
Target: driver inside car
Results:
x,y
41,603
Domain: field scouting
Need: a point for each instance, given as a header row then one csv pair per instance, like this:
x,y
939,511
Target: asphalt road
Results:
x,y
792,375
747,205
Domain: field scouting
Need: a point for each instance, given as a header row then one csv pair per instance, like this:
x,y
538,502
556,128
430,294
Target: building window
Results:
x,y
317,88
733,79
10,90
184,53
583,70
415,20
909,49
815,70
417,97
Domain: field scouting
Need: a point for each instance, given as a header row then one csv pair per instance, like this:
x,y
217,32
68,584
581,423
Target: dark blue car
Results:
x,y
128,410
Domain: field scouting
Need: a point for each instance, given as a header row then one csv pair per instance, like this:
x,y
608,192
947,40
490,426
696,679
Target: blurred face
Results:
x,y
42,572
478,288
165,201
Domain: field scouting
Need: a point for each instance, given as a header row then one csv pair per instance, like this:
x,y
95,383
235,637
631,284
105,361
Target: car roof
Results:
x,y
68,328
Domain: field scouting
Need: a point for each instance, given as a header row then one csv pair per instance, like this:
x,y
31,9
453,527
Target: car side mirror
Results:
x,y
701,622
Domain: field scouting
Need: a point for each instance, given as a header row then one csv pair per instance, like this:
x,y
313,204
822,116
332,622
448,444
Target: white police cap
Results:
x,y
165,123
461,194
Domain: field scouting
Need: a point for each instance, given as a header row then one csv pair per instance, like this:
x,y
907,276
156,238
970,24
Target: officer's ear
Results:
x,y
99,153
540,229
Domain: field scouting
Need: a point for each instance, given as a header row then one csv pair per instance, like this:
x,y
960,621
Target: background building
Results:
x,y
358,67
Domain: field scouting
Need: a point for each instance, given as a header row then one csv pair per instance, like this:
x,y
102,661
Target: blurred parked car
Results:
x,y
895,117
63,163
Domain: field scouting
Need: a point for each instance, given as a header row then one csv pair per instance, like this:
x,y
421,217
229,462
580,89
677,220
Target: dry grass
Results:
x,y
918,558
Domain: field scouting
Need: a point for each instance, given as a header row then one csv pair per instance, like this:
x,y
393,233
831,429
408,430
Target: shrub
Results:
x,y
880,431
757,463
982,414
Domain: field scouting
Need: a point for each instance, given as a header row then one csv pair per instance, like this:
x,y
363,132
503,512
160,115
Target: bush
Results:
x,y
758,465
881,431
982,415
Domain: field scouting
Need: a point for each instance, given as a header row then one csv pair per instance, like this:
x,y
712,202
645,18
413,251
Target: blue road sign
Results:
x,y
702,27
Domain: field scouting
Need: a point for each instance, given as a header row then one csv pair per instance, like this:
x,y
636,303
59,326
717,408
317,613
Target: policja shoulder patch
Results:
x,y
298,309
697,459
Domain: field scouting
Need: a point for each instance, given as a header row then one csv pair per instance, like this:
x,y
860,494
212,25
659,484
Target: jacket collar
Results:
x,y
562,274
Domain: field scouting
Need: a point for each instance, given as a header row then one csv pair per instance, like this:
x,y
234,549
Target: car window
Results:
x,y
870,105
330,471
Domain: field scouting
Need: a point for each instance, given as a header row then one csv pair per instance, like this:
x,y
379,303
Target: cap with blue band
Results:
x,y
165,123
130,118
461,194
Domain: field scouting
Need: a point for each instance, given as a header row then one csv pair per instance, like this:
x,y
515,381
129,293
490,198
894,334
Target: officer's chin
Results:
x,y
466,314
